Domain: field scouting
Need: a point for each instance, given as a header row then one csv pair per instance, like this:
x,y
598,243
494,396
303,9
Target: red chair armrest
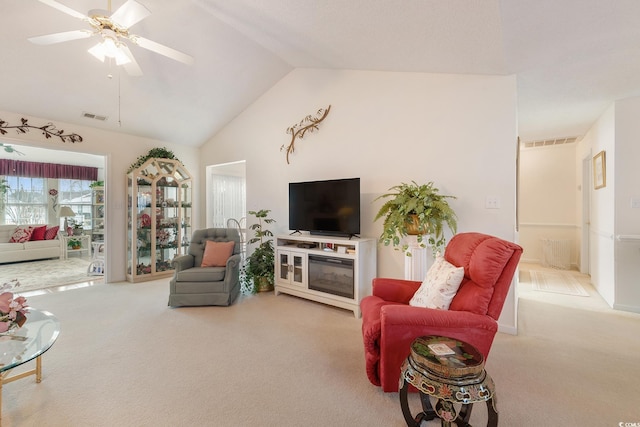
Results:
x,y
408,317
395,290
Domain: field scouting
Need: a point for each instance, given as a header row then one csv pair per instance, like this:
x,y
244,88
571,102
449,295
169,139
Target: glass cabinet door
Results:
x,y
283,266
291,268
297,265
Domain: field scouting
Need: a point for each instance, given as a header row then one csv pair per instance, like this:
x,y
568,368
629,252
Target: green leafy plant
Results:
x,y
4,186
258,269
4,189
154,153
96,184
74,243
415,210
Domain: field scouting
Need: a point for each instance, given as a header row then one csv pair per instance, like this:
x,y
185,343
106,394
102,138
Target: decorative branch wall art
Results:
x,y
309,123
48,130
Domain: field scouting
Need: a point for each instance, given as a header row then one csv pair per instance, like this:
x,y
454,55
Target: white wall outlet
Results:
x,y
635,202
492,202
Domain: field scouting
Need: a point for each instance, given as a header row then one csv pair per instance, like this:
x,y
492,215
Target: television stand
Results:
x,y
331,270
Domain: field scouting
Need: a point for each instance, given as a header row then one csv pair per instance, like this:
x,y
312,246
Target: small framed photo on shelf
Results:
x,y
599,170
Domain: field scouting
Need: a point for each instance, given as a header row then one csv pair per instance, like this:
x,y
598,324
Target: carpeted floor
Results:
x,y
124,358
34,275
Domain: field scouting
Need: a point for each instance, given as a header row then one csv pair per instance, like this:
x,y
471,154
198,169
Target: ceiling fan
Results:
x,y
113,29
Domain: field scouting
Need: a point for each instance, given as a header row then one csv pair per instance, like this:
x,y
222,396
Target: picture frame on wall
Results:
x,y
599,170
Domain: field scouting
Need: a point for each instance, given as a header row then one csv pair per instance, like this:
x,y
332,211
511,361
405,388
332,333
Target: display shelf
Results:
x,y
332,270
97,214
159,207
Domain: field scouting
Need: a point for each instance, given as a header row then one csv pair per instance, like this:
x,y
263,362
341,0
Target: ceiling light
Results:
x,y
110,48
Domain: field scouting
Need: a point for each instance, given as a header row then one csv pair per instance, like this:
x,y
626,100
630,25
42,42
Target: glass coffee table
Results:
x,y
23,345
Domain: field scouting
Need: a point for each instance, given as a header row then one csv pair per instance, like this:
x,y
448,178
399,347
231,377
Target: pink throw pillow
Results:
x,y
21,235
38,233
51,232
216,254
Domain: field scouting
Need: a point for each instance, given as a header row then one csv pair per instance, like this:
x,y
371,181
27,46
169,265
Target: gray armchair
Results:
x,y
193,285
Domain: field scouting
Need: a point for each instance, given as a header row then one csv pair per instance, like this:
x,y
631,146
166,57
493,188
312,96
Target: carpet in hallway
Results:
x,y
560,282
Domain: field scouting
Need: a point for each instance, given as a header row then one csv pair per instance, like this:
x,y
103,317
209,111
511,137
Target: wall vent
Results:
x,y
548,142
94,116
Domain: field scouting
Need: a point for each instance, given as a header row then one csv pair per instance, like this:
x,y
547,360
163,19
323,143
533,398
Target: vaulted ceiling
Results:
x,y
572,58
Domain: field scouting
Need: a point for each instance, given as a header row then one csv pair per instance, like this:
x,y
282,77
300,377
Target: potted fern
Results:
x,y
259,267
419,210
74,243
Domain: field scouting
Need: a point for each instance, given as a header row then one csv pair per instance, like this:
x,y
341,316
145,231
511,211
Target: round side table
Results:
x,y
451,371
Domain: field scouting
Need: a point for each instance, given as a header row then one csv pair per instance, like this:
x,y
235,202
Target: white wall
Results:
x,y
626,176
601,234
615,223
120,152
548,199
456,130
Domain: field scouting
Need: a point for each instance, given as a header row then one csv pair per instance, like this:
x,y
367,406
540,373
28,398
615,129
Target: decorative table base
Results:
x,y
453,373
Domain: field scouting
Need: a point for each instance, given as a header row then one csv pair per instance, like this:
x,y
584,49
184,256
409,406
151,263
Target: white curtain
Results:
x,y
227,199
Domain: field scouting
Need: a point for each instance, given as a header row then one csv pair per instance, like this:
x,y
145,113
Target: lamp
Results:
x,y
66,212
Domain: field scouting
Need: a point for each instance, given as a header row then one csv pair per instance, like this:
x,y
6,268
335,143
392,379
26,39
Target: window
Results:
x,y
76,194
25,200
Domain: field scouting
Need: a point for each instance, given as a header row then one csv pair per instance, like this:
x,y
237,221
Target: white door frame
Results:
x,y
585,266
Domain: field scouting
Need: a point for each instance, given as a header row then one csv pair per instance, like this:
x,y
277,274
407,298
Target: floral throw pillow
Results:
x,y
440,286
21,234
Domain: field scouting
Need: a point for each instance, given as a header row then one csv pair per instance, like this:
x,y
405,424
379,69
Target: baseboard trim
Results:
x,y
629,308
511,330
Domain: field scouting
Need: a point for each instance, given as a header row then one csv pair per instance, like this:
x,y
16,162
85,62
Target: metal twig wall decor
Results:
x,y
48,130
309,123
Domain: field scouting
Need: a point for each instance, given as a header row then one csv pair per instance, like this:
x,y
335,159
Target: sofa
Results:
x,y
29,250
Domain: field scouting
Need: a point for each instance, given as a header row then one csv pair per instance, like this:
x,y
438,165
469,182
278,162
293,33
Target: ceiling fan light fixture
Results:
x,y
113,28
109,48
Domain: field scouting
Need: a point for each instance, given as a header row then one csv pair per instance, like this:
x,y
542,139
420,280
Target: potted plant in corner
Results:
x,y
418,210
259,267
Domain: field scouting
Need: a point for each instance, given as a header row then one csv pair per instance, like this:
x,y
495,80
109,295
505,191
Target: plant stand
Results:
x,y
415,266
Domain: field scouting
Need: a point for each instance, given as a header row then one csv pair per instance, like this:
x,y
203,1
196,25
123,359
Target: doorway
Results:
x,y
79,197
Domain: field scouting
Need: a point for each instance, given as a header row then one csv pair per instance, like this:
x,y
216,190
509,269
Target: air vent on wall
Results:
x,y
94,116
547,142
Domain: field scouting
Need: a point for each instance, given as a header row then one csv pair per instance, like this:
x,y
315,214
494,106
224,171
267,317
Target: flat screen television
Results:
x,y
330,207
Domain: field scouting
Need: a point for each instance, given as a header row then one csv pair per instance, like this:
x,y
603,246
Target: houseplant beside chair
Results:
x,y
390,323
209,274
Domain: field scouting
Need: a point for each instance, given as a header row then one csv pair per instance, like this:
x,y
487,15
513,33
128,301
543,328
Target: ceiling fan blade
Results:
x,y
161,49
132,68
60,37
65,9
129,14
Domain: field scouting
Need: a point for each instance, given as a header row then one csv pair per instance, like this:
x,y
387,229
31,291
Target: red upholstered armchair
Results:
x,y
390,324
